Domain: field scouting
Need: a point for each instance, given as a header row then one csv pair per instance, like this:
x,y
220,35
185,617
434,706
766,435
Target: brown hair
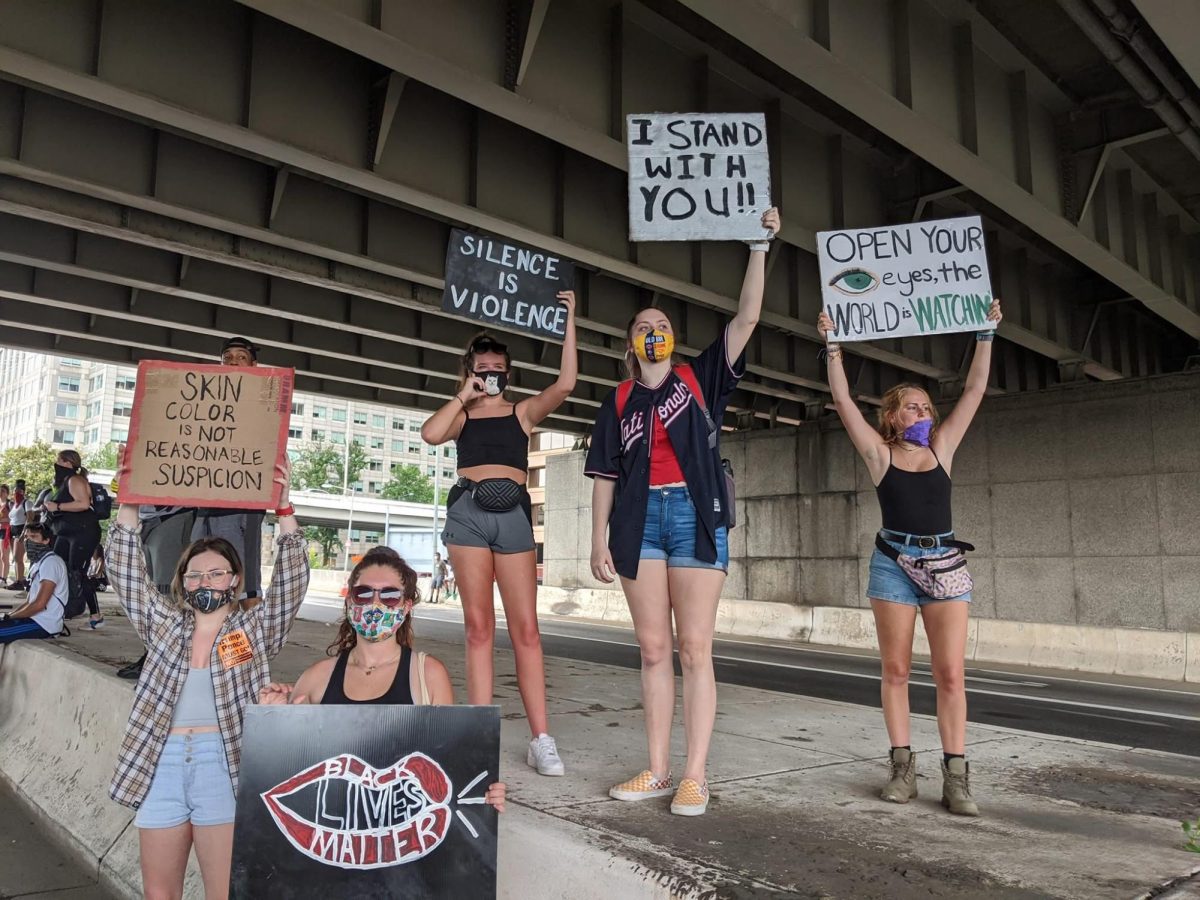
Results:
x,y
890,405
347,637
632,364
74,460
466,367
217,545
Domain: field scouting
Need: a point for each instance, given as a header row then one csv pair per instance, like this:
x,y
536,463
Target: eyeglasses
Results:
x,y
213,575
390,597
488,345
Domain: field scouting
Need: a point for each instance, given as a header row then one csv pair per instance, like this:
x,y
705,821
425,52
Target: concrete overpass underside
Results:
x,y
171,173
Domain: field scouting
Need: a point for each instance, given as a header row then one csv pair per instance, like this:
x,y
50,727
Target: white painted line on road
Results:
x,y
1071,712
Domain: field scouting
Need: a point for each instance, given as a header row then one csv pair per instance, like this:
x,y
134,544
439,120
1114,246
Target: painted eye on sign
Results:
x,y
360,817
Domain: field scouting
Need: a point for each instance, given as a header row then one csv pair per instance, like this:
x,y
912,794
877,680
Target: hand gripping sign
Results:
x,y
904,280
340,801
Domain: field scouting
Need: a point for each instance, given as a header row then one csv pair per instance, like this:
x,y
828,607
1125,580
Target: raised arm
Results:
x,y
445,424
289,578
753,284
127,571
536,408
953,428
867,441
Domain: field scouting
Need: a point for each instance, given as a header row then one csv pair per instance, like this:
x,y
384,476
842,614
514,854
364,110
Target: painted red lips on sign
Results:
x,y
344,812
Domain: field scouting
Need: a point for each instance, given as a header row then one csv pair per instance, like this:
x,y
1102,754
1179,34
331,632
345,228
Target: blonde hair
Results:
x,y
890,405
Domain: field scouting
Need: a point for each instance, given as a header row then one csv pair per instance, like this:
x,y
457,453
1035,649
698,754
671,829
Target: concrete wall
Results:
x,y
1083,503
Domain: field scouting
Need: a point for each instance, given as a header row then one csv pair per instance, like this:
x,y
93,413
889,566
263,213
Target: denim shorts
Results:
x,y
191,784
888,581
670,531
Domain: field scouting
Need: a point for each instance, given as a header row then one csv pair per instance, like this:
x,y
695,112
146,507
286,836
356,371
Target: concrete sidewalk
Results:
x,y
794,783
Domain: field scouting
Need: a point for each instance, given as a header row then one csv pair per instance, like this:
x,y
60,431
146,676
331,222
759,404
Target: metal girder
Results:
x,y
784,44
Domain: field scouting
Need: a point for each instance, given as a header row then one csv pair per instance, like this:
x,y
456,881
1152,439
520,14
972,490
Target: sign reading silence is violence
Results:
x,y
904,280
206,435
504,283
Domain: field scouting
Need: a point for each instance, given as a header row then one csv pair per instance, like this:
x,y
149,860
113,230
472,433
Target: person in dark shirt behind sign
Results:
x,y
659,492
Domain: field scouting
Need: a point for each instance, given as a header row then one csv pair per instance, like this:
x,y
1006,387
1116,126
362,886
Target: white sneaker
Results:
x,y
543,756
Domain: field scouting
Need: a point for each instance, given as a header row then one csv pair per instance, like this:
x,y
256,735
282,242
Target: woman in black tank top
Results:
x,y
910,459
372,655
489,529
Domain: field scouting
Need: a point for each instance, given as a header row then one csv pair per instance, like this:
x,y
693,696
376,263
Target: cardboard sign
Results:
x,y
698,176
206,435
903,280
366,801
497,281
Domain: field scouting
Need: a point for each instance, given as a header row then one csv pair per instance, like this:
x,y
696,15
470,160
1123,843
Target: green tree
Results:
x,y
326,537
34,463
102,457
323,466
409,483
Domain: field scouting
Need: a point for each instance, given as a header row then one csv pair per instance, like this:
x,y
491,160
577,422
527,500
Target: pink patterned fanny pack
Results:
x,y
942,577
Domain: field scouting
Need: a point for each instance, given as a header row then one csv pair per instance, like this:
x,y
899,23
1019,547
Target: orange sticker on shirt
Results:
x,y
235,649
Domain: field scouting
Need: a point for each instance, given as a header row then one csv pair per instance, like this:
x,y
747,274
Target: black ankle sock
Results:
x,y
946,757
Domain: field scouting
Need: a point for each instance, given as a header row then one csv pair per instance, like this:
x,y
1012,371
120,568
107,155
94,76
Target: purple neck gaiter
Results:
x,y
918,432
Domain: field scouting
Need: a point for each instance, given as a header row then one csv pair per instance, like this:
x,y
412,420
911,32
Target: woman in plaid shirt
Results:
x,y
207,659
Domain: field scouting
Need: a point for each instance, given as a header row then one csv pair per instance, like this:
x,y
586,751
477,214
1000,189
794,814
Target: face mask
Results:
x,y
494,383
654,346
35,551
918,432
374,621
208,600
62,473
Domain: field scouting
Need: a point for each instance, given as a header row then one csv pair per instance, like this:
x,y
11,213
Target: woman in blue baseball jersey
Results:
x,y
658,496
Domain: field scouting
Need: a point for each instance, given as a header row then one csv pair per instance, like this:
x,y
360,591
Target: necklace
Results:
x,y
367,670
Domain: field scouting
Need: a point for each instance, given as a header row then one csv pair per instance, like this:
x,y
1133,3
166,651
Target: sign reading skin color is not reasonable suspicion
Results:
x,y
366,801
905,280
698,176
206,435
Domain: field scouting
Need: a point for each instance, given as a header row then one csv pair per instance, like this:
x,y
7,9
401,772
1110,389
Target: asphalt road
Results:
x,y
1126,712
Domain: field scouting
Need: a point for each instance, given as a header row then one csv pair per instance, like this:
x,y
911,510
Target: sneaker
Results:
x,y
133,670
643,787
691,799
96,623
956,788
902,786
543,756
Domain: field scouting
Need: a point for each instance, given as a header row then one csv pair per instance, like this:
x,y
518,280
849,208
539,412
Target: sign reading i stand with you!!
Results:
x,y
698,176
507,284
903,280
209,436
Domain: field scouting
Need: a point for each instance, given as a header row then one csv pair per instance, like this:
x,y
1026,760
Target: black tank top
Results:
x,y
80,519
493,441
400,690
915,502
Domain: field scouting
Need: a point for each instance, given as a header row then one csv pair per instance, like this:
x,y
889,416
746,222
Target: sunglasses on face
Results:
x,y
390,597
487,345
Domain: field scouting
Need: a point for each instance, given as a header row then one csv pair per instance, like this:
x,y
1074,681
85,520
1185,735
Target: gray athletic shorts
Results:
x,y
467,525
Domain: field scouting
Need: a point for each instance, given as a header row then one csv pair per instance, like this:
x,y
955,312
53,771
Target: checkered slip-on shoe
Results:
x,y
691,799
643,787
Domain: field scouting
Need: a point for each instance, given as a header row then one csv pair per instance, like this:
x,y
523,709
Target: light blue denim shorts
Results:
x,y
670,531
888,582
191,784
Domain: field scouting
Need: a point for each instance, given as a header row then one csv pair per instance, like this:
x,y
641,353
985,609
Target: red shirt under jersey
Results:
x,y
664,464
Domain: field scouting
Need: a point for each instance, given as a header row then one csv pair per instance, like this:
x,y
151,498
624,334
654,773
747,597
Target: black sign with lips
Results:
x,y
366,802
505,283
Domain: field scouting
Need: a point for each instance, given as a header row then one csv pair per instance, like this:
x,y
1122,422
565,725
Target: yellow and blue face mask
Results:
x,y
654,346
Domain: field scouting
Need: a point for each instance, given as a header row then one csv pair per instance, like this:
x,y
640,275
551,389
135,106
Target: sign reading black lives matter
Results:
x,y
366,801
505,283
698,176
903,280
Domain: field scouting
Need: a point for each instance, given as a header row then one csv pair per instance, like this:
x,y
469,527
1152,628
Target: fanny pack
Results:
x,y
494,494
942,577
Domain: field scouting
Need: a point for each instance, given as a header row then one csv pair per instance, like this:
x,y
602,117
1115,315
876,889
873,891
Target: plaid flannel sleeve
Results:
x,y
289,584
127,573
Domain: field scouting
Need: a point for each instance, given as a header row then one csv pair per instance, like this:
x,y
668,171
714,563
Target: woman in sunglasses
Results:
x,y
207,659
489,524
372,659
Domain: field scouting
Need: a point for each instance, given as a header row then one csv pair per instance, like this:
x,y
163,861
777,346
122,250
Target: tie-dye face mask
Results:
x,y
375,621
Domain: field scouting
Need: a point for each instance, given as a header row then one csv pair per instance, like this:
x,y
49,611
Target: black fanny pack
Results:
x,y
494,494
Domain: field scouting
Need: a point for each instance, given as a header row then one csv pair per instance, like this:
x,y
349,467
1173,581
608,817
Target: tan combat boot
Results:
x,y
902,786
956,788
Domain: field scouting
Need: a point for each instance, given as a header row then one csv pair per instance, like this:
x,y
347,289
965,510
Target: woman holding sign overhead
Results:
x,y
918,566
207,657
659,492
489,524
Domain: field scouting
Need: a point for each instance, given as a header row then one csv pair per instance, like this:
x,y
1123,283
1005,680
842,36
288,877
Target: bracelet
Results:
x,y
760,246
984,337
461,400
288,510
